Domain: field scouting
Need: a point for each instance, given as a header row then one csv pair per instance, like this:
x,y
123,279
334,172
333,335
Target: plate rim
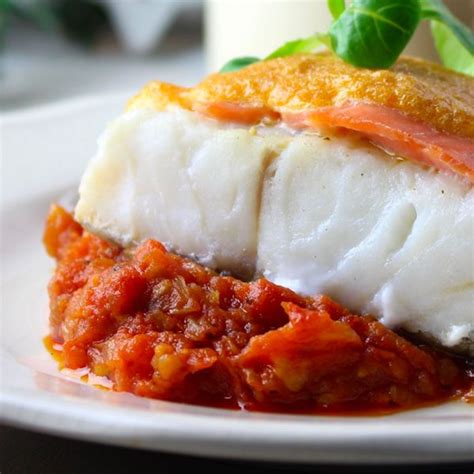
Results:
x,y
239,437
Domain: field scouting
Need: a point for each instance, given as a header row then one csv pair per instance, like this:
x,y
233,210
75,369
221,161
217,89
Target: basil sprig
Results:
x,y
437,11
373,33
304,45
238,63
450,49
336,7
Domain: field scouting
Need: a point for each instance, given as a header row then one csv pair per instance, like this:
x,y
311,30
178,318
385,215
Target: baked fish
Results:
x,y
322,177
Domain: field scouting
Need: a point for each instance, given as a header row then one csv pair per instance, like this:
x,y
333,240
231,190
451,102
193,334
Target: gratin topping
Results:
x,y
424,91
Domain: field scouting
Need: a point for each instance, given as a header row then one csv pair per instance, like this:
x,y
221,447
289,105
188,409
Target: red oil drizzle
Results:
x,y
84,374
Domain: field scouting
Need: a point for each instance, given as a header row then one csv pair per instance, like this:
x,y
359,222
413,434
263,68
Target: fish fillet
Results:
x,y
319,214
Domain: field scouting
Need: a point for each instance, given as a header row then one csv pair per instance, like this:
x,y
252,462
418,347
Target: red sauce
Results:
x,y
161,326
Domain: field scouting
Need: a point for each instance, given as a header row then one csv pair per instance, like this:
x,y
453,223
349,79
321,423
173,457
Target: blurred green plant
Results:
x,y
80,20
38,13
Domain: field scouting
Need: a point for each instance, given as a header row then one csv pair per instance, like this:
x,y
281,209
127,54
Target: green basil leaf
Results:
x,y
373,33
336,7
238,63
436,10
304,45
450,49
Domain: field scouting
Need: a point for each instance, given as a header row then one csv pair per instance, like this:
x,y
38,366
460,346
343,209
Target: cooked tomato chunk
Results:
x,y
162,326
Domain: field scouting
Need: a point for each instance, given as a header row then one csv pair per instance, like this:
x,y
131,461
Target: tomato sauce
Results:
x,y
162,326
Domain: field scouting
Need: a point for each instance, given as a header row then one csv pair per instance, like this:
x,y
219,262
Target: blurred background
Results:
x,y
56,49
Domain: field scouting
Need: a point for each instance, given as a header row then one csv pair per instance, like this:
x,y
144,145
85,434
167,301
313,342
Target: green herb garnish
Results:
x,y
336,7
436,10
238,63
373,33
450,49
305,45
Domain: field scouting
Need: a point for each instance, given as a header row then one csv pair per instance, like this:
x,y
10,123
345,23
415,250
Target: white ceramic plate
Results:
x,y
43,154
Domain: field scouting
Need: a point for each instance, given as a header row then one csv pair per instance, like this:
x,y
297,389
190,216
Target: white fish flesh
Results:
x,y
317,214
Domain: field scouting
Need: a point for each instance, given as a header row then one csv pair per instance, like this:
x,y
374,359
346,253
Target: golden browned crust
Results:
x,y
424,91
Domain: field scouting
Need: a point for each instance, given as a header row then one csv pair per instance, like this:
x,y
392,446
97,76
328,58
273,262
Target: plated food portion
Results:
x,y
160,325
218,225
